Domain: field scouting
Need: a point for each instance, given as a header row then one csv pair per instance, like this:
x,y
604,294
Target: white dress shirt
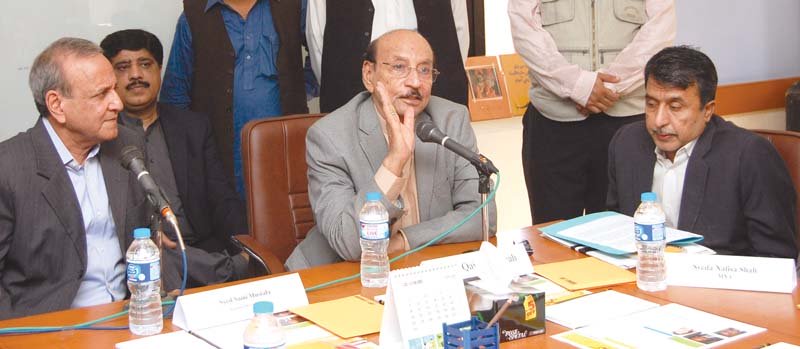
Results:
x,y
668,177
389,15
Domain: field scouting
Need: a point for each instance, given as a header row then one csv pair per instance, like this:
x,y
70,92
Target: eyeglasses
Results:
x,y
401,71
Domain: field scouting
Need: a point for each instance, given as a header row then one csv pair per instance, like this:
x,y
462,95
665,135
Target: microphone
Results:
x,y
428,132
132,159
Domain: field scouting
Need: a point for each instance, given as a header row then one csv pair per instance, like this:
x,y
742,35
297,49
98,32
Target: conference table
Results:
x,y
777,312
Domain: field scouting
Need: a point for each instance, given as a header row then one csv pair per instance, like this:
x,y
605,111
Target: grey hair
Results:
x,y
47,71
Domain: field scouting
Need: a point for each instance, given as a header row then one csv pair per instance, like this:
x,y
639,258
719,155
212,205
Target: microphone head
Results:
x,y
428,132
128,154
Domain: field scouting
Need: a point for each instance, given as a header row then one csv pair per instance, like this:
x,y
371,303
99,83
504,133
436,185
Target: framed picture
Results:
x,y
488,95
483,82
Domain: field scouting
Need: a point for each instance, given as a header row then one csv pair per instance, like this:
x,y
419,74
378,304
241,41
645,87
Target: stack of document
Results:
x,y
667,326
596,308
609,236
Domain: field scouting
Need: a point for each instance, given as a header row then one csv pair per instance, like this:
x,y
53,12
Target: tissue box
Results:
x,y
523,318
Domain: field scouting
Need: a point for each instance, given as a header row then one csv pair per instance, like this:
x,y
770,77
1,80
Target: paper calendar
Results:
x,y
418,301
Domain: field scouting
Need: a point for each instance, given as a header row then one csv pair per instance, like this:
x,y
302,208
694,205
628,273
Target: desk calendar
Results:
x,y
418,301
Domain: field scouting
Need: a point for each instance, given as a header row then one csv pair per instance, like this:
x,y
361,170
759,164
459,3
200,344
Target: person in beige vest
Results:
x,y
585,61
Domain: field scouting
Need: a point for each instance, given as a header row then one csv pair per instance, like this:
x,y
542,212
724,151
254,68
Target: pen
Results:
x,y
204,339
502,310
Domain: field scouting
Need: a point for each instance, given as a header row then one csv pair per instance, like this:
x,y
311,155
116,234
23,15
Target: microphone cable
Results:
x,y
174,223
89,324
82,326
432,241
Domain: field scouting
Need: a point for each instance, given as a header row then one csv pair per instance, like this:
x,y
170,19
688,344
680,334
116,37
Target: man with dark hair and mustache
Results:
x,y
712,177
181,153
369,145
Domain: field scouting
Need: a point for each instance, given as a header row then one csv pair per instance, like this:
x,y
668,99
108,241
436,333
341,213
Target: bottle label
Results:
x,y
374,230
650,232
145,271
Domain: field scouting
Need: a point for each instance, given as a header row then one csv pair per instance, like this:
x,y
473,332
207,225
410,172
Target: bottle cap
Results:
x,y
141,233
374,196
649,196
264,307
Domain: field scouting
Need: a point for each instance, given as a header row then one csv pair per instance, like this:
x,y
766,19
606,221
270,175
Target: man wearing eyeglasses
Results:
x,y
369,145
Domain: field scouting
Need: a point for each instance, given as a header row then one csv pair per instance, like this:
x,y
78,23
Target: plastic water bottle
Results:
x,y
144,282
264,331
374,221
649,221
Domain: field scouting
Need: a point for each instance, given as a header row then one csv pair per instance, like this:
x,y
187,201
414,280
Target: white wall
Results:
x,y
28,26
747,40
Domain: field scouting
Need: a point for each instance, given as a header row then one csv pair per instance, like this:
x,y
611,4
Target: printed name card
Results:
x,y
470,265
235,303
731,272
490,262
490,268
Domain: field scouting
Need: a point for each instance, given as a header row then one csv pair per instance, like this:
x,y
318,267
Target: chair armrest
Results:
x,y
259,253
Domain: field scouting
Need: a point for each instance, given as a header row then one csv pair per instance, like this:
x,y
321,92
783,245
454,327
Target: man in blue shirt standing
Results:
x,y
237,60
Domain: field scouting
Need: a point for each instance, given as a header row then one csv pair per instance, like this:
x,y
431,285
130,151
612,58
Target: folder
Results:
x,y
346,317
578,274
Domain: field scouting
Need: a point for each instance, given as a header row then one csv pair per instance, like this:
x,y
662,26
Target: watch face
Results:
x,y
399,203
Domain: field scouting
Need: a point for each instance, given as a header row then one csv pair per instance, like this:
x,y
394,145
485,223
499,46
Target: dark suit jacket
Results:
x,y
42,239
737,192
210,202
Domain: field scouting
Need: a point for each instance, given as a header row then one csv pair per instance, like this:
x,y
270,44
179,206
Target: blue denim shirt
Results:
x,y
255,77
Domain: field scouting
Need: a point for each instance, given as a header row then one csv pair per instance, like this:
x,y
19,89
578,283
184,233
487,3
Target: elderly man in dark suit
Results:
x,y
712,177
182,156
67,207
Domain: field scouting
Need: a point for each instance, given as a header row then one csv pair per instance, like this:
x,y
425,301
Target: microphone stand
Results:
x,y
485,169
157,228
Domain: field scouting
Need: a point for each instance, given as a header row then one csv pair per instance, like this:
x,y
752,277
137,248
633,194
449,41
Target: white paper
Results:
x,y
595,308
668,326
179,339
228,336
614,231
235,303
731,272
232,335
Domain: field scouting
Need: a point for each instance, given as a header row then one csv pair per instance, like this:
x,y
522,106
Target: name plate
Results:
x,y
235,303
495,267
471,265
731,272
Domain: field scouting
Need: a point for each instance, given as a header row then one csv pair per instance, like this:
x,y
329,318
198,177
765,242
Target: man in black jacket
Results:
x,y
180,148
712,177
